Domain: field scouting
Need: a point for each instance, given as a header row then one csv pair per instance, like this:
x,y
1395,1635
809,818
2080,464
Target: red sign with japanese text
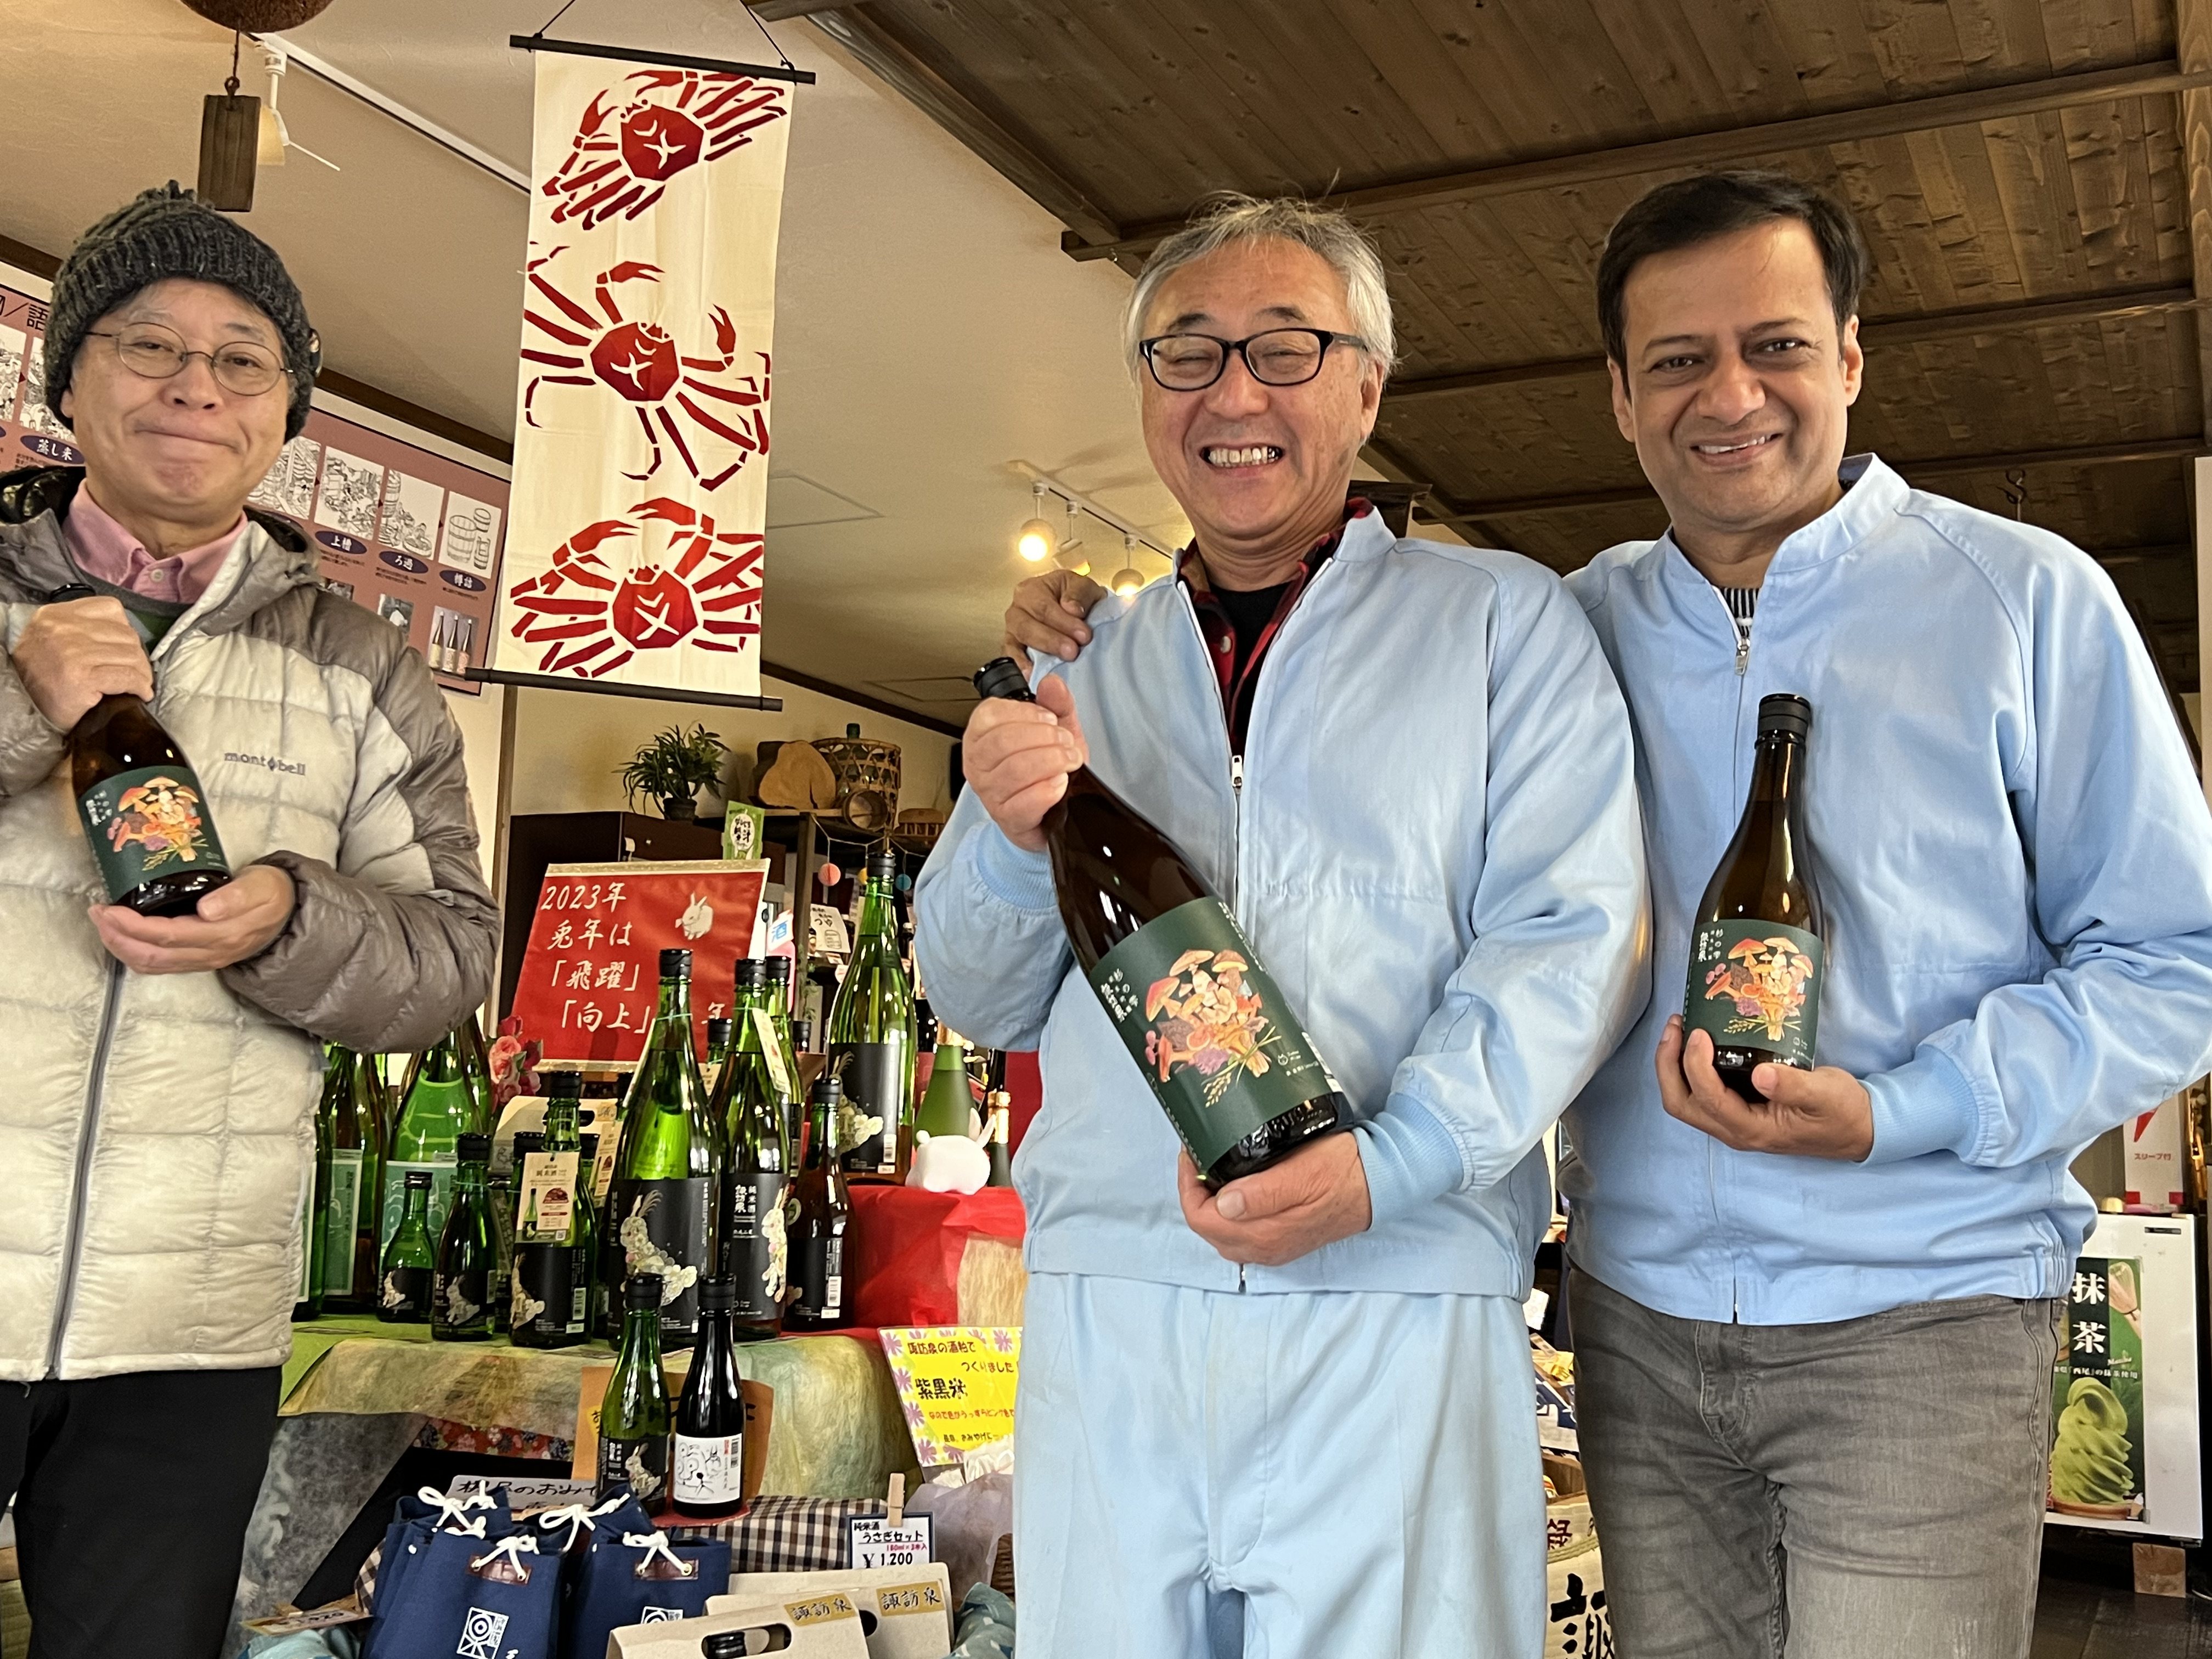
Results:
x,y
592,971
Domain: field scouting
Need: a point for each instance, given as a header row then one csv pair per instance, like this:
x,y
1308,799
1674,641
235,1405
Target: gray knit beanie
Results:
x,y
168,233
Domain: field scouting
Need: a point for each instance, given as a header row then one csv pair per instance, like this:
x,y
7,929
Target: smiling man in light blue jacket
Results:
x,y
1296,1418
1814,1331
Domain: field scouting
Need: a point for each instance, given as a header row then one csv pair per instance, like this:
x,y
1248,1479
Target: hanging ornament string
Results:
x,y
770,39
230,86
555,17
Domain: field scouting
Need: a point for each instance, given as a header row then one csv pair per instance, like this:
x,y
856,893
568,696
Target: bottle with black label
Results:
x,y
1758,944
660,1215
550,1288
707,1461
410,1264
871,1036
999,1126
499,1194
352,1115
144,813
819,1232
808,1068
468,1254
633,1414
1207,1027
751,1101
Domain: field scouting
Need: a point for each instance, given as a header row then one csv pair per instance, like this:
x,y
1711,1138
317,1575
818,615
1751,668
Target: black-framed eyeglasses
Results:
x,y
155,352
1276,356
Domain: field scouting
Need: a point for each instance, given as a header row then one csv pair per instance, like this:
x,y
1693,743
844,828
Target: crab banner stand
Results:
x,y
635,552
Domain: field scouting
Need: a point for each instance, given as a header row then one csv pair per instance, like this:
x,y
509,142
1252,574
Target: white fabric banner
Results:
x,y
635,547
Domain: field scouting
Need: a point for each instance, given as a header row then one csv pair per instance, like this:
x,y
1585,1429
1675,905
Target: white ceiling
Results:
x,y
928,330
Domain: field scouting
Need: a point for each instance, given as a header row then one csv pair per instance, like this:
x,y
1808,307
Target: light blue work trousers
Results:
x,y
1239,1476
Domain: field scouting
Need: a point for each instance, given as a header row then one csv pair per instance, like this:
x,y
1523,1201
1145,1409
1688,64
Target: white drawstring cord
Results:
x,y
512,1547
454,1512
575,1516
656,1543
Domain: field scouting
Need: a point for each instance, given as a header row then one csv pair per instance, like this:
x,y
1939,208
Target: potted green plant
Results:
x,y
671,768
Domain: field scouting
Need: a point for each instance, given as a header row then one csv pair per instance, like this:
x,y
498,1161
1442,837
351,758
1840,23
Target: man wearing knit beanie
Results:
x,y
158,1135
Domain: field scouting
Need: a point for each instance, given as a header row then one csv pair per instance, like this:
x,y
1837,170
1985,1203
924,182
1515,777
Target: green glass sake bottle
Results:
x,y
752,1103
553,1227
468,1252
719,1031
824,1221
351,1115
776,996
1207,1026
870,1036
1758,941
634,1412
660,1216
437,1108
997,1125
410,1262
946,1105
307,1302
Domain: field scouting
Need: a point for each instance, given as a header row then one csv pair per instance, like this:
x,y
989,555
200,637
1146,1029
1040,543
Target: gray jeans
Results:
x,y
1870,1489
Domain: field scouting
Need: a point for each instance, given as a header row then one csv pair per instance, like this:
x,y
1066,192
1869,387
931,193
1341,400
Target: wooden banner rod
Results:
x,y
664,59
659,693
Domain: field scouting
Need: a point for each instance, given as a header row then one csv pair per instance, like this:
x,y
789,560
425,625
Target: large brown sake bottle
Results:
x,y
1230,1062
1757,941
142,806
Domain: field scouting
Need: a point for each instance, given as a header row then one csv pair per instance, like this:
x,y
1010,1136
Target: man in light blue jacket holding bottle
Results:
x,y
1296,1417
1815,1330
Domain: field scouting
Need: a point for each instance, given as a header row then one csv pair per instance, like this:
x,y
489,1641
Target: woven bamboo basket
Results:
x,y
867,774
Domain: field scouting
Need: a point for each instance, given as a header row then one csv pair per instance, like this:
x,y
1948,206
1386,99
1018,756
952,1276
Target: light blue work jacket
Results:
x,y
1435,849
2016,861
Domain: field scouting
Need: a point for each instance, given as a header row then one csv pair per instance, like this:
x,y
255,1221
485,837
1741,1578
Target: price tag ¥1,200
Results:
x,y
877,1543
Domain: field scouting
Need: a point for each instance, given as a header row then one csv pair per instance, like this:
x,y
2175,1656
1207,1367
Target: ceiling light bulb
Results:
x,y
1035,541
1127,580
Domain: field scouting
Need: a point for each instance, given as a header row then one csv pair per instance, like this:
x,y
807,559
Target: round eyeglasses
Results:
x,y
155,352
1279,356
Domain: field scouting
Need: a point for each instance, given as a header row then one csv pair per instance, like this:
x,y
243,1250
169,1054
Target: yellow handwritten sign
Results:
x,y
956,1384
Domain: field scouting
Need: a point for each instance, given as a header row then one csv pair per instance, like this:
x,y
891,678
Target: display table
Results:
x,y
357,1392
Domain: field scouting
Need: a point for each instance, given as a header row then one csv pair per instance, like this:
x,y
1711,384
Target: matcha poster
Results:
x,y
2097,1395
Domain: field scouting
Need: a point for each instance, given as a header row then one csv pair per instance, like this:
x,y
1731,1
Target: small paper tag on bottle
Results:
x,y
876,1543
548,1199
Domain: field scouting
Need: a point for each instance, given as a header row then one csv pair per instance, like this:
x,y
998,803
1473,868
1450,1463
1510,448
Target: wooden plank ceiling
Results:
x,y
2017,166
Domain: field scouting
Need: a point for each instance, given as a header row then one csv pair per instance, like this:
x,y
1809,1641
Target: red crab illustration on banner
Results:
x,y
592,615
622,158
640,361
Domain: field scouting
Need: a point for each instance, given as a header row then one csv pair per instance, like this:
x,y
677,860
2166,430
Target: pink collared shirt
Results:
x,y
103,549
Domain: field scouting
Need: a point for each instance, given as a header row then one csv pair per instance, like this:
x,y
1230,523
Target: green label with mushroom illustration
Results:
x,y
1755,985
2097,1399
1208,1027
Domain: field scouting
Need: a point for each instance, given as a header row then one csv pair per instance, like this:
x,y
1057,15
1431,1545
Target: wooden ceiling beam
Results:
x,y
1934,467
852,26
1719,147
776,11
1904,331
2193,33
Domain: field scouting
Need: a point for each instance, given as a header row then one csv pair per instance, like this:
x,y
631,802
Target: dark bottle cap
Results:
x,y
828,1090
802,1035
527,1141
70,591
1002,676
472,1149
641,1291
883,863
776,969
676,964
718,1031
725,1645
745,974
1786,712
562,1086
717,1295
418,1178
587,1150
